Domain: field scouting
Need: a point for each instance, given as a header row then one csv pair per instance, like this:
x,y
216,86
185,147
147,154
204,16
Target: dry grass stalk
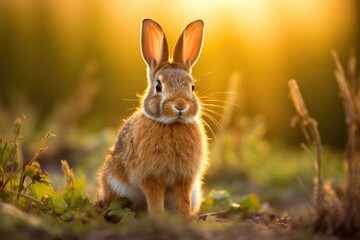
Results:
x,y
329,214
41,148
351,96
309,126
231,102
232,97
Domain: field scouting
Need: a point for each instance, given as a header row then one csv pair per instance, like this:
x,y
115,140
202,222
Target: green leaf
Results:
x,y
119,204
207,205
39,189
8,150
75,195
251,203
217,200
118,211
58,204
127,215
123,215
248,204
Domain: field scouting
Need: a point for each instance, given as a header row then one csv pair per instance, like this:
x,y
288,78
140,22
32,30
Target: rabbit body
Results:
x,y
160,154
163,160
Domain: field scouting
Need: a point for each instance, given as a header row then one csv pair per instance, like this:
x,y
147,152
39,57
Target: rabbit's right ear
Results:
x,y
189,45
154,47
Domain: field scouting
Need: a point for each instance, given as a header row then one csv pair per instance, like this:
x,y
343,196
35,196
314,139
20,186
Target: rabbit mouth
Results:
x,y
180,114
173,113
180,118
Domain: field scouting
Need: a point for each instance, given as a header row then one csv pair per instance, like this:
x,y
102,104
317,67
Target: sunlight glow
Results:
x,y
266,40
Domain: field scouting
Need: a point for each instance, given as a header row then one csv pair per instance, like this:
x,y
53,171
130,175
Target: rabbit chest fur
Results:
x,y
165,151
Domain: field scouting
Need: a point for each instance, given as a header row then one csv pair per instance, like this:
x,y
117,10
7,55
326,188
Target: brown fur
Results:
x,y
160,153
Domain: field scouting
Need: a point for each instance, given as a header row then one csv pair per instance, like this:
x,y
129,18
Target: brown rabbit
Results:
x,y
160,154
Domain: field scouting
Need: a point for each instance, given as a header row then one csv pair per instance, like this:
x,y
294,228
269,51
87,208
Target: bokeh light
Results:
x,y
44,45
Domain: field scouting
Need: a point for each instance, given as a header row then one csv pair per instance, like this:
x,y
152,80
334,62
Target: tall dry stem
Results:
x,y
309,126
232,97
350,94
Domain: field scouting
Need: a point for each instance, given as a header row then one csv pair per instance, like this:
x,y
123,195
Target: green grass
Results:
x,y
247,178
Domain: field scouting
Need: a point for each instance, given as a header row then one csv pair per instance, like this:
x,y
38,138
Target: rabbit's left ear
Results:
x,y
189,45
154,47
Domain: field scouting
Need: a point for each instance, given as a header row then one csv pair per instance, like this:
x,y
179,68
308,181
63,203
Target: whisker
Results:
x,y
213,120
212,94
212,111
130,100
209,89
199,70
207,116
132,109
138,95
220,101
212,105
214,97
198,76
206,91
208,126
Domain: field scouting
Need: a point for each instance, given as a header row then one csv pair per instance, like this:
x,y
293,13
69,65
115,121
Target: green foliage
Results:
x,y
9,157
75,189
244,159
219,202
7,150
40,190
68,212
216,200
58,204
119,211
251,203
27,185
247,205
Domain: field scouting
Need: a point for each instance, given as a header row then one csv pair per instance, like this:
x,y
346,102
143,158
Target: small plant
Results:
x,y
218,203
336,215
24,183
350,92
309,127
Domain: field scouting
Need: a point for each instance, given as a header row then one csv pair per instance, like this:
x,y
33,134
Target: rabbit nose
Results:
x,y
179,108
180,105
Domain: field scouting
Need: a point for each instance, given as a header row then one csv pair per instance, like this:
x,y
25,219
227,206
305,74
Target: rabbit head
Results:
x,y
170,96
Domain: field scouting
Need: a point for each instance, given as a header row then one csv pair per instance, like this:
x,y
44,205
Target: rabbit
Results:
x,y
160,154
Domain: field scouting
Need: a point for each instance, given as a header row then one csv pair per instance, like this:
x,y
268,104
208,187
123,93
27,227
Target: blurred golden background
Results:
x,y
85,54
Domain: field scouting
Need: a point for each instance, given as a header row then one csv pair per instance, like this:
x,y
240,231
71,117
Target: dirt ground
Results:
x,y
17,224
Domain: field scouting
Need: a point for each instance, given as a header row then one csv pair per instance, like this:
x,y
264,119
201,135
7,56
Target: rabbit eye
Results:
x,y
192,86
158,86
